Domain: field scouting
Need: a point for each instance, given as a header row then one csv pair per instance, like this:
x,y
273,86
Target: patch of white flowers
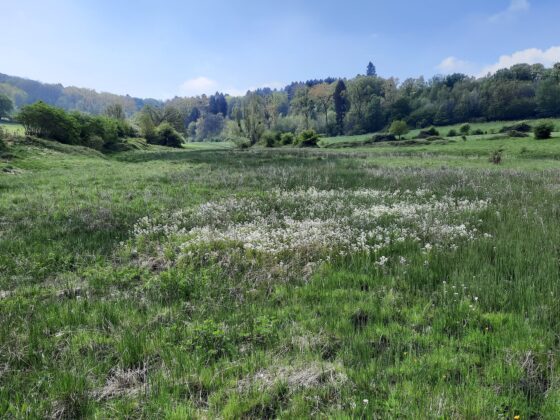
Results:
x,y
328,221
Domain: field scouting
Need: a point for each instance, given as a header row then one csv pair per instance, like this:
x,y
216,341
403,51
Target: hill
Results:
x,y
25,91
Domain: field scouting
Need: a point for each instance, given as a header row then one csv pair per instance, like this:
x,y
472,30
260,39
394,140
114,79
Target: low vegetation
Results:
x,y
98,132
334,249
543,130
389,281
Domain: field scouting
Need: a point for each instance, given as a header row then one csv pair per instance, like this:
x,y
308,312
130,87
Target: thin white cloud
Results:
x,y
232,91
519,5
515,7
530,56
198,86
454,65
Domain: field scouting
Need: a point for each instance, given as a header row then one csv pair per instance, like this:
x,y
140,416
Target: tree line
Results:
x,y
369,103
366,103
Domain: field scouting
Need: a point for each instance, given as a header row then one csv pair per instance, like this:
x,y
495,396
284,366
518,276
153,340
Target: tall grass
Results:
x,y
96,321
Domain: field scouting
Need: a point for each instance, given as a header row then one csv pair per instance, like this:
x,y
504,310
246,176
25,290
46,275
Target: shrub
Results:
x,y
240,142
517,134
95,142
270,138
383,137
430,132
107,129
465,129
308,138
124,129
49,122
477,132
522,127
543,130
452,133
496,157
168,136
287,138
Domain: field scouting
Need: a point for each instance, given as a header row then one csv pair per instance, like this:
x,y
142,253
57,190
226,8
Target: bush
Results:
x,y
543,130
168,136
465,129
522,127
240,142
107,129
383,137
95,142
49,122
124,129
431,132
477,132
452,133
517,134
287,138
308,138
270,138
496,157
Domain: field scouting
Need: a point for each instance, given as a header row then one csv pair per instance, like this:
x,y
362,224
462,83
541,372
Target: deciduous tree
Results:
x,y
322,95
341,105
399,128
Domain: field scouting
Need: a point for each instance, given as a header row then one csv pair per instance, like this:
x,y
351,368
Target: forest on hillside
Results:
x,y
365,104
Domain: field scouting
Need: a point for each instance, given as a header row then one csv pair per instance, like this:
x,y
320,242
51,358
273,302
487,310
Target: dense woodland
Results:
x,y
365,104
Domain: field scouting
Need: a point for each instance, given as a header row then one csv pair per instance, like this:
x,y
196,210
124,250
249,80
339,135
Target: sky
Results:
x,y
166,48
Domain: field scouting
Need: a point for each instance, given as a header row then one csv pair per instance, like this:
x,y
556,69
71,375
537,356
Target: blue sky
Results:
x,y
169,47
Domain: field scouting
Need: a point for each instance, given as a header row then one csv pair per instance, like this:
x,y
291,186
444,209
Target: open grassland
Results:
x,y
12,128
384,282
524,153
490,130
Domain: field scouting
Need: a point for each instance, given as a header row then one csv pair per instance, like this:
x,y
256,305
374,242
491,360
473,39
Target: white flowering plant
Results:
x,y
313,224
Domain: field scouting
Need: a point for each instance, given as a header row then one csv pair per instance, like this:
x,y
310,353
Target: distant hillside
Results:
x,y
24,91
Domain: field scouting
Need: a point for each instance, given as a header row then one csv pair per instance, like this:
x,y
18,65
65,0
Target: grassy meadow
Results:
x,y
12,128
381,282
489,128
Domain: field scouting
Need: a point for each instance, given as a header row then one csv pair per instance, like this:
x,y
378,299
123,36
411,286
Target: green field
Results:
x,y
489,128
12,128
374,282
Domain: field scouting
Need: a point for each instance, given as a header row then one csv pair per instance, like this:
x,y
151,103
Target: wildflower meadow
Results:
x,y
217,283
